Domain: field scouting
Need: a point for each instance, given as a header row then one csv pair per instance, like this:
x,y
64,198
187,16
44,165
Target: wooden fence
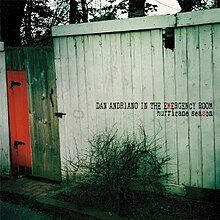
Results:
x,y
4,131
38,63
127,61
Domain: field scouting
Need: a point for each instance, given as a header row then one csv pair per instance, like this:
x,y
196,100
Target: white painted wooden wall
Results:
x,y
126,61
4,130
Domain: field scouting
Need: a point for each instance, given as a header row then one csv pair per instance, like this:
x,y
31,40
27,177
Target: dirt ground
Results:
x,y
142,205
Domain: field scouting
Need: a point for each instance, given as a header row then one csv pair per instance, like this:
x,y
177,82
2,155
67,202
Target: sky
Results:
x,y
165,6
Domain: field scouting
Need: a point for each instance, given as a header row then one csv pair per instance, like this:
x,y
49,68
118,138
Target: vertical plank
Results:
x,y
51,123
206,95
136,77
65,100
90,85
170,121
194,96
34,113
128,115
98,71
82,91
108,93
216,89
158,83
182,96
147,81
116,75
4,129
60,103
74,116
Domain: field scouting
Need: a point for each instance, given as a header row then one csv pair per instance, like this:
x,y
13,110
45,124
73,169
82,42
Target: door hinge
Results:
x,y
17,143
13,83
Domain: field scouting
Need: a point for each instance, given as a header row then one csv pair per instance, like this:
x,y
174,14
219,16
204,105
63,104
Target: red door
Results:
x,y
19,122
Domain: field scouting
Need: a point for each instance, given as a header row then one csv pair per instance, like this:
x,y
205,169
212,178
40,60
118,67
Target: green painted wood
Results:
x,y
39,64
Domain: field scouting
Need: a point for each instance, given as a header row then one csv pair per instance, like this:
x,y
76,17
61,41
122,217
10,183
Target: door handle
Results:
x,y
59,114
17,143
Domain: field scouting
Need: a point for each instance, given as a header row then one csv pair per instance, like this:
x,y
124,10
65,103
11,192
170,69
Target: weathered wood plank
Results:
x,y
108,93
194,96
15,58
65,97
158,82
60,108
117,80
206,95
98,78
142,23
82,91
136,77
91,83
52,121
128,116
198,17
170,121
182,96
138,24
216,88
74,129
4,129
66,65
147,93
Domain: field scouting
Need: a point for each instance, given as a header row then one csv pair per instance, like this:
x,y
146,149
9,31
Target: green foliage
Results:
x,y
39,17
109,11
113,9
195,5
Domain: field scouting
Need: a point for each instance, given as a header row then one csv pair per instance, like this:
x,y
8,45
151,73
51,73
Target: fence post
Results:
x,y
4,127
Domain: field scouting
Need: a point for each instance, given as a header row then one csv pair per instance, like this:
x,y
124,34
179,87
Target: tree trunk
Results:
x,y
27,22
217,3
136,8
74,17
12,13
187,6
84,11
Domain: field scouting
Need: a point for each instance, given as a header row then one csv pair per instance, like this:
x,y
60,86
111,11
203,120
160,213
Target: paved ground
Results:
x,y
11,211
20,197
29,186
